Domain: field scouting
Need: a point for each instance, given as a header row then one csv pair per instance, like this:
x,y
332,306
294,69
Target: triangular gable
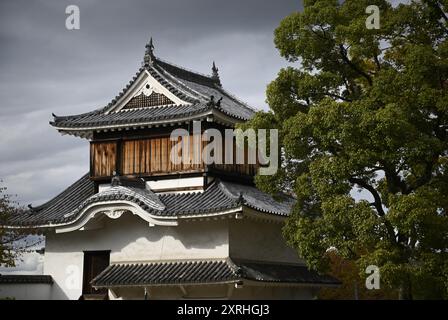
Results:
x,y
146,91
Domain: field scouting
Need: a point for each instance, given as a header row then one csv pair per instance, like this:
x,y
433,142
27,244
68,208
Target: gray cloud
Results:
x,y
30,261
45,68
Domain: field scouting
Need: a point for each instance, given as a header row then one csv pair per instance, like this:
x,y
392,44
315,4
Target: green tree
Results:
x,y
13,242
352,283
365,110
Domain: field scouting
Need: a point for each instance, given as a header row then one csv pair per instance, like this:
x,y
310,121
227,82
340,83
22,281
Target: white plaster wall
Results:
x,y
259,240
130,239
222,291
25,291
161,185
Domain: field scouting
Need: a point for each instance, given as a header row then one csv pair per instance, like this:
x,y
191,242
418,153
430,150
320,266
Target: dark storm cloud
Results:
x,y
45,68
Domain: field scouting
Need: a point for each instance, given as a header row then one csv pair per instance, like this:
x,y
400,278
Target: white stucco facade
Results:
x,y
132,240
259,240
129,240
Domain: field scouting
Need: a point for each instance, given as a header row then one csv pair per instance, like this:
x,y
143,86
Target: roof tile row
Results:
x,y
218,197
207,271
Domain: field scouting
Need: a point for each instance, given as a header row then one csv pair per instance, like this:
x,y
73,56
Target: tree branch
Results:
x,y
394,182
343,53
377,62
377,199
377,204
336,96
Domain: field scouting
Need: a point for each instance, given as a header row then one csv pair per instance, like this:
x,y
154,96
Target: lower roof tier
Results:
x,y
207,272
220,196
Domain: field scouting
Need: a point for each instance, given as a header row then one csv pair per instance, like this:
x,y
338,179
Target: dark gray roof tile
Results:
x,y
25,278
259,200
218,197
178,272
283,273
189,86
206,271
54,210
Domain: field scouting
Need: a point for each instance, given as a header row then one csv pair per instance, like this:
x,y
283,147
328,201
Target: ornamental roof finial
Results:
x,y
149,53
115,181
215,74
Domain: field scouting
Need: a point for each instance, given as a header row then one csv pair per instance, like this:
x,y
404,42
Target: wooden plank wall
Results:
x,y
152,156
103,158
244,169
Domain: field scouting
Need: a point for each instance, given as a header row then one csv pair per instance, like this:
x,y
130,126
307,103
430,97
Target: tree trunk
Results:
x,y
405,292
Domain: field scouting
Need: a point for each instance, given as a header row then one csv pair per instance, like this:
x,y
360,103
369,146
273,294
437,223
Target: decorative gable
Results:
x,y
144,100
146,91
160,92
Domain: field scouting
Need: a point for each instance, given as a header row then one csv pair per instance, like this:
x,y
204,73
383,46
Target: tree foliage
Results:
x,y
366,110
13,242
353,284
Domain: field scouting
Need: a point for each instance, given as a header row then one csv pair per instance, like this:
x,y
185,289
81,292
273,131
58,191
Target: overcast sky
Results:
x,y
46,68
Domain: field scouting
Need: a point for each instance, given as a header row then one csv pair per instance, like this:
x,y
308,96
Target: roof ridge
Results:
x,y
233,97
166,62
236,269
113,102
170,81
184,86
237,199
216,83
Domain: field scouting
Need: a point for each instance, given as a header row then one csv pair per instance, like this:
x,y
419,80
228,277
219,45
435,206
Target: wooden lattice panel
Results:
x,y
142,101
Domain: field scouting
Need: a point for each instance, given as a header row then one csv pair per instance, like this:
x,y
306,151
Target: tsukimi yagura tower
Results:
x,y
138,226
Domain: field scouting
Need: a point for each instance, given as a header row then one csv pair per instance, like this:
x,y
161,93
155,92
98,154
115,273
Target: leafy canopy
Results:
x,y
366,110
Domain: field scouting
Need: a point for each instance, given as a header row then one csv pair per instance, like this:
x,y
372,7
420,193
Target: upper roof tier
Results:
x,y
160,94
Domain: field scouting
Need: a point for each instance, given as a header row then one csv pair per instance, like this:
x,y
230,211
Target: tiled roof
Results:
x,y
258,200
207,271
99,119
218,197
54,210
24,278
188,86
284,273
145,198
165,273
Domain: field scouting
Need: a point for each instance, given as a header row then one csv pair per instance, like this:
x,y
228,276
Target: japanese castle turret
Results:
x,y
143,225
